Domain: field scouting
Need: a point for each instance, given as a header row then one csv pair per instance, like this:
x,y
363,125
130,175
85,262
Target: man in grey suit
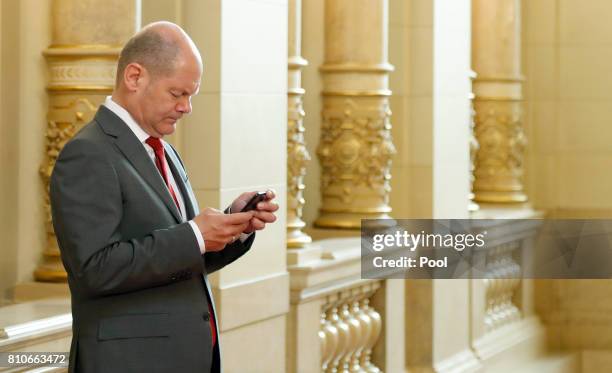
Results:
x,y
134,244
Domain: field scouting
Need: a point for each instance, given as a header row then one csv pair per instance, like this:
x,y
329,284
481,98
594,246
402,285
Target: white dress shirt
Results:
x,y
142,137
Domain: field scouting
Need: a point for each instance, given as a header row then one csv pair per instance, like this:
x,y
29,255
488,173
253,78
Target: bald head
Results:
x,y
158,47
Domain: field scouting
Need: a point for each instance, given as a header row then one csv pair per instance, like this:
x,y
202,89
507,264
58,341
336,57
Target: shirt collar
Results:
x,y
127,118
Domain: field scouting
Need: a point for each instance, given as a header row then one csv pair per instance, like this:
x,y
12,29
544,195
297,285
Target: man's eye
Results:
x,y
176,95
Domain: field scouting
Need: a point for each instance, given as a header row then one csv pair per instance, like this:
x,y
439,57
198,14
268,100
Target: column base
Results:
x,y
303,255
500,197
506,211
346,220
322,234
28,291
51,275
52,269
296,238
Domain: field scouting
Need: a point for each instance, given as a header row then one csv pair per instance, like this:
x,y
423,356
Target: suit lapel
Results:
x,y
135,153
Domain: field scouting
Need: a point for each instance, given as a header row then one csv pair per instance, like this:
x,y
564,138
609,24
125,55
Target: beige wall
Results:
x,y
35,36
430,108
160,10
451,108
25,34
411,53
567,49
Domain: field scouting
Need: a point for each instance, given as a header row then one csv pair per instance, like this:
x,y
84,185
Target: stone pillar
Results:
x,y
297,154
87,36
496,43
355,148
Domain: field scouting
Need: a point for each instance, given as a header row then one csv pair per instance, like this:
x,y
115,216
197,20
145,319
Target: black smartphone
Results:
x,y
252,204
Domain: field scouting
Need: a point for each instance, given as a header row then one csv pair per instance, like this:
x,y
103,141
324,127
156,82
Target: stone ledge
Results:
x,y
26,323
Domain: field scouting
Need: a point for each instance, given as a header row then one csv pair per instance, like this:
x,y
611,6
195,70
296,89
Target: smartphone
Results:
x,y
252,204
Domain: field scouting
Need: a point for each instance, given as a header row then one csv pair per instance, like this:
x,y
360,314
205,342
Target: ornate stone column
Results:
x,y
355,148
87,39
496,43
297,154
472,206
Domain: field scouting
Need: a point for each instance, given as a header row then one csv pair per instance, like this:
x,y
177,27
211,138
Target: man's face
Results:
x,y
165,99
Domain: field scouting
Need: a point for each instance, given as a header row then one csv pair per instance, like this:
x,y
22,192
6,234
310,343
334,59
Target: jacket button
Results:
x,y
206,316
173,278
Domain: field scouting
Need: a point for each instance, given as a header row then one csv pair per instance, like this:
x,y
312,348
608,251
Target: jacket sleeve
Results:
x,y
87,206
215,260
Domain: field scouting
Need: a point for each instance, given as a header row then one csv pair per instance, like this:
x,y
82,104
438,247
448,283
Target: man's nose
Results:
x,y
184,105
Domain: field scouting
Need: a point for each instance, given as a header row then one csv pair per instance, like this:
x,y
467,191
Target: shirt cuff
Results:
x,y
245,236
198,235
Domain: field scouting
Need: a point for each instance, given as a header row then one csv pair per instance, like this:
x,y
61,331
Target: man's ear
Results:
x,y
133,75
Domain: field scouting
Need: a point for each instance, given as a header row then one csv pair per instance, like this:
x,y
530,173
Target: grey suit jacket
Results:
x,y
140,296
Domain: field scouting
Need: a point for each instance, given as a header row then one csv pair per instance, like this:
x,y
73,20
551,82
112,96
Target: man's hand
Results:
x,y
263,214
219,229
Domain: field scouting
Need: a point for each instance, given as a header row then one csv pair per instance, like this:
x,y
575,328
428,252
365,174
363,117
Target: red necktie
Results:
x,y
160,162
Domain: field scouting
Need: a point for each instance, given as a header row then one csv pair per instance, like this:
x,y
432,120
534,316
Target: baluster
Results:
x,y
343,338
